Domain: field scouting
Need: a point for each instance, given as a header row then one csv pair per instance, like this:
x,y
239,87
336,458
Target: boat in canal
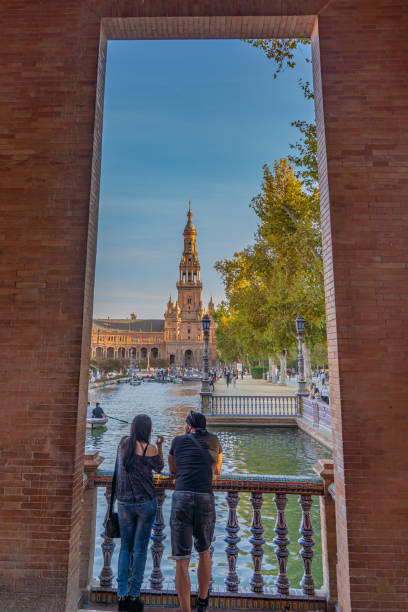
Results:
x,y
92,422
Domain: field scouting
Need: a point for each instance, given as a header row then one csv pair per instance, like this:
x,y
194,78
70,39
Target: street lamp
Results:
x,y
205,387
300,328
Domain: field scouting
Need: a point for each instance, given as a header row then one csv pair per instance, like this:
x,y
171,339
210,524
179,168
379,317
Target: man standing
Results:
x,y
194,457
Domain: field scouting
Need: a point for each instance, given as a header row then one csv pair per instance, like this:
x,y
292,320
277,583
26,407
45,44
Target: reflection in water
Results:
x,y
253,450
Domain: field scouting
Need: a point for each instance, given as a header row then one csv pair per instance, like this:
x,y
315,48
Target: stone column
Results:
x,y
325,469
88,518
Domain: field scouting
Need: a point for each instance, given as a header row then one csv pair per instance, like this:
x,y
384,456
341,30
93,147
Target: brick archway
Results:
x,y
51,146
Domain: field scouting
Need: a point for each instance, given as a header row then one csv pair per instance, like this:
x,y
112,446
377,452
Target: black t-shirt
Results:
x,y
194,473
97,412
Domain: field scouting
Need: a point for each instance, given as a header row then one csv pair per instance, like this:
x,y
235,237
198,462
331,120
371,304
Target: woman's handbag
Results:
x,y
112,529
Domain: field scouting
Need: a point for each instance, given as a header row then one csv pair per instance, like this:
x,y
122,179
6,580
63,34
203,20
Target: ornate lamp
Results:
x,y
205,386
300,328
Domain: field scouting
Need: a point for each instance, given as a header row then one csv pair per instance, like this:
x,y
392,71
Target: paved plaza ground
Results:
x,y
249,386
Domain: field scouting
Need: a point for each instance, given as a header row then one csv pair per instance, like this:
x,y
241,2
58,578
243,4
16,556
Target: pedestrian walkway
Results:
x,y
250,386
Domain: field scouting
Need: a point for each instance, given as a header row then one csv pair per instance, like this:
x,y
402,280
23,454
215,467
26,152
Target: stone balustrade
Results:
x,y
235,486
253,405
317,413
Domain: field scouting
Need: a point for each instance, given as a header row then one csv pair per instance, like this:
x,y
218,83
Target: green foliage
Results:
x,y
111,365
280,276
92,367
305,154
258,371
280,50
319,358
159,363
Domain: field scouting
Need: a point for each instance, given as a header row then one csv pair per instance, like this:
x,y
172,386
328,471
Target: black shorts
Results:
x,y
192,515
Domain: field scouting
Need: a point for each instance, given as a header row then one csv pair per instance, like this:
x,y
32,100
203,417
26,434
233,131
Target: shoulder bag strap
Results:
x,y
204,452
113,490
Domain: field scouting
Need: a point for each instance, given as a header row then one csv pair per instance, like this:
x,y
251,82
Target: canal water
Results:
x,y
252,450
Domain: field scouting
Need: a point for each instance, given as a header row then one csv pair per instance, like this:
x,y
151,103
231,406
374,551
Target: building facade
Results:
x,y
178,338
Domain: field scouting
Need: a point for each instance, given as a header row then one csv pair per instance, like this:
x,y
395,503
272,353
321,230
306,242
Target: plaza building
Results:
x,y
178,337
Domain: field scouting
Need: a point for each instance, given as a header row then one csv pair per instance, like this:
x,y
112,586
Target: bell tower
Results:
x,y
189,285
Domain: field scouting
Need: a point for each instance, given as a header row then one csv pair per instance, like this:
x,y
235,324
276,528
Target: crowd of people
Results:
x,y
322,393
194,458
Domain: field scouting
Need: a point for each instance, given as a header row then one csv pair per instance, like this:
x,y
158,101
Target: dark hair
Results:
x,y
196,420
140,431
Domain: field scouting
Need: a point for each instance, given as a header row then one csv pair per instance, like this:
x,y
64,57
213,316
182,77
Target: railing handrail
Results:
x,y
251,483
294,397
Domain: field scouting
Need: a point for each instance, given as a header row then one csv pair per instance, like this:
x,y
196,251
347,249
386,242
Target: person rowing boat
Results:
x,y
95,417
97,412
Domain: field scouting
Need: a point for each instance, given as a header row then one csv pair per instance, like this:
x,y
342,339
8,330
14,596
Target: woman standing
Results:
x,y
136,507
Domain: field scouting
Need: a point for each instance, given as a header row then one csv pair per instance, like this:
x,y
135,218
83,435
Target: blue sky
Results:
x,y
187,119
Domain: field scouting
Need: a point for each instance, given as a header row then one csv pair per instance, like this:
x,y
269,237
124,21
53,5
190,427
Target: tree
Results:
x,y
268,284
92,367
281,52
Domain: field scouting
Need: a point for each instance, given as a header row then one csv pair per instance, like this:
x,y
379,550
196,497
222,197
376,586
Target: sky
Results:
x,y
185,120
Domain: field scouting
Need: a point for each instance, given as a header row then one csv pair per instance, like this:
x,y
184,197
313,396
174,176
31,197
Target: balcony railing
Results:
x,y
317,413
253,405
234,486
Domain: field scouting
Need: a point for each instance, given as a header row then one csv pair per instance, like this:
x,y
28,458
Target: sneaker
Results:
x,y
202,604
123,603
135,604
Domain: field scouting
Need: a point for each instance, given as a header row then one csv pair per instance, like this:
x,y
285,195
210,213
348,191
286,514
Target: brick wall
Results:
x,y
48,71
50,180
360,55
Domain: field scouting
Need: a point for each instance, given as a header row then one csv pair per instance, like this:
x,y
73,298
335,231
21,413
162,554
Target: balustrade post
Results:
x,y
108,546
307,543
257,542
212,554
325,469
281,541
232,540
156,577
88,520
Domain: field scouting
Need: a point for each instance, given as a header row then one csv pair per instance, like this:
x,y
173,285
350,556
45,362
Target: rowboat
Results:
x,y
135,383
92,422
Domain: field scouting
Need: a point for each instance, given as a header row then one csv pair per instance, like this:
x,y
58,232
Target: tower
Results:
x,y
189,285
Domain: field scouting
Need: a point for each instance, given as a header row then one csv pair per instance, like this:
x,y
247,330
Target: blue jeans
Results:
x,y
135,520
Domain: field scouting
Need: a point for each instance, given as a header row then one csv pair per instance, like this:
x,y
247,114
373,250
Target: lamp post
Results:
x,y
301,387
205,386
